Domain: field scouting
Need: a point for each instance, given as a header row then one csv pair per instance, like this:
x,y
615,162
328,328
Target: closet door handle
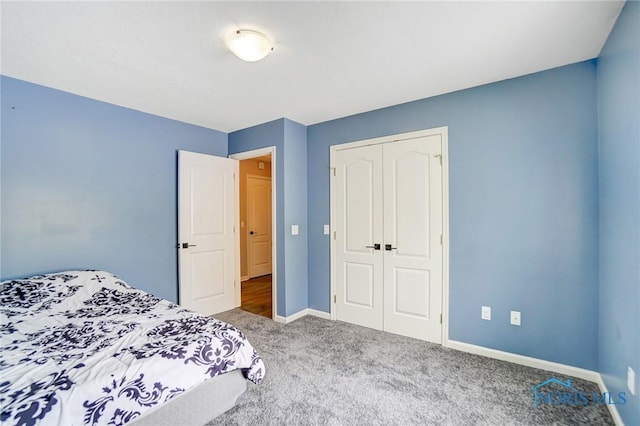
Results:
x,y
389,248
375,246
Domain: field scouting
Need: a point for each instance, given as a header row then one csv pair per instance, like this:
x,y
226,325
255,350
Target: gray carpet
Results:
x,y
332,373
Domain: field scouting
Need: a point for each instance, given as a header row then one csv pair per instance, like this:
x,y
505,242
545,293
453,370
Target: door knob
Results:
x,y
250,232
187,245
389,248
375,246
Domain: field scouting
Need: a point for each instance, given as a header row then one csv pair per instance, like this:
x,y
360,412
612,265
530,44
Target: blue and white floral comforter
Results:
x,y
84,348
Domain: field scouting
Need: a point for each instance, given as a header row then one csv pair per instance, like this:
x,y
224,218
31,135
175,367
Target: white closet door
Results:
x,y
390,194
413,229
358,210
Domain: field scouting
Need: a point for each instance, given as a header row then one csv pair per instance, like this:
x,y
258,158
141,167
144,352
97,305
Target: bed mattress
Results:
x,y
83,347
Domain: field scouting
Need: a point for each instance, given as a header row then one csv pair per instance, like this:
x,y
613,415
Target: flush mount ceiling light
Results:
x,y
249,45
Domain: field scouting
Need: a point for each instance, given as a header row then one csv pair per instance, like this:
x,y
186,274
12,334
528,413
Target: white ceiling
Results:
x,y
331,59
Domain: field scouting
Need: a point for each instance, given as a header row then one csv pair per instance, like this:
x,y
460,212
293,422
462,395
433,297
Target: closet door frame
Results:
x,y
443,132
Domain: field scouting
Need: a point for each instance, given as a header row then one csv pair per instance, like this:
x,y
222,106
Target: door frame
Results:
x,y
247,155
443,132
250,176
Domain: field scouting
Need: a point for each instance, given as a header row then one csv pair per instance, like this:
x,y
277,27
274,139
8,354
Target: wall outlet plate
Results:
x,y
631,380
486,313
515,318
326,229
295,230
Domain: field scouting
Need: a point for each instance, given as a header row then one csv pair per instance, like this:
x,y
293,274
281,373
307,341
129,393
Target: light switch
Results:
x,y
486,313
294,230
326,230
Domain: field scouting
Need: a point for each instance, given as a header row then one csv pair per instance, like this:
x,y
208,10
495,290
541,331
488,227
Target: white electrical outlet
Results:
x,y
631,380
486,313
295,230
515,318
326,230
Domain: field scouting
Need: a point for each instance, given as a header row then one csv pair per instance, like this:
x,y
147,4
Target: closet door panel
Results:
x,y
358,198
413,227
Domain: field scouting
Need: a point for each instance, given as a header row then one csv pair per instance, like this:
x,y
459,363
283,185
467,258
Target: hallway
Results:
x,y
256,296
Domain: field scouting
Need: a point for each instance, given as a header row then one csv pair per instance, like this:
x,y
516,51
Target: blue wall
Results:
x,y
86,184
295,194
619,128
290,140
523,208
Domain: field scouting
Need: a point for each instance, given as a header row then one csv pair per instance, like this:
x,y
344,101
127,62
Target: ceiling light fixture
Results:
x,y
249,45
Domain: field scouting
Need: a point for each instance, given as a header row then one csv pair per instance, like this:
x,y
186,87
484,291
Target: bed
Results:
x,y
85,348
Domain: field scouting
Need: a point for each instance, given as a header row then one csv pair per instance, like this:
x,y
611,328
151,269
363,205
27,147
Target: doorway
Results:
x,y
256,236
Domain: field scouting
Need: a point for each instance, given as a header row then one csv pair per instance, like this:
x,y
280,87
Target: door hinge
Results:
x,y
440,239
334,299
234,229
334,235
334,170
440,318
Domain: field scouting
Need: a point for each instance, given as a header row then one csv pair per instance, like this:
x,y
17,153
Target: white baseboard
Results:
x,y
613,409
319,314
291,318
300,314
555,367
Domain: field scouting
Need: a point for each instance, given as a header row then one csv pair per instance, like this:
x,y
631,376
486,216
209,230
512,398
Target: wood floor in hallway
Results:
x,y
256,296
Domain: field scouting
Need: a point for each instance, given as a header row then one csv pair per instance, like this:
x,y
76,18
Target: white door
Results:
x,y
412,231
358,192
390,194
206,220
258,226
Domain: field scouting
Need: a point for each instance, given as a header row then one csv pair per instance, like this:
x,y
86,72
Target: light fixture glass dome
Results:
x,y
249,45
